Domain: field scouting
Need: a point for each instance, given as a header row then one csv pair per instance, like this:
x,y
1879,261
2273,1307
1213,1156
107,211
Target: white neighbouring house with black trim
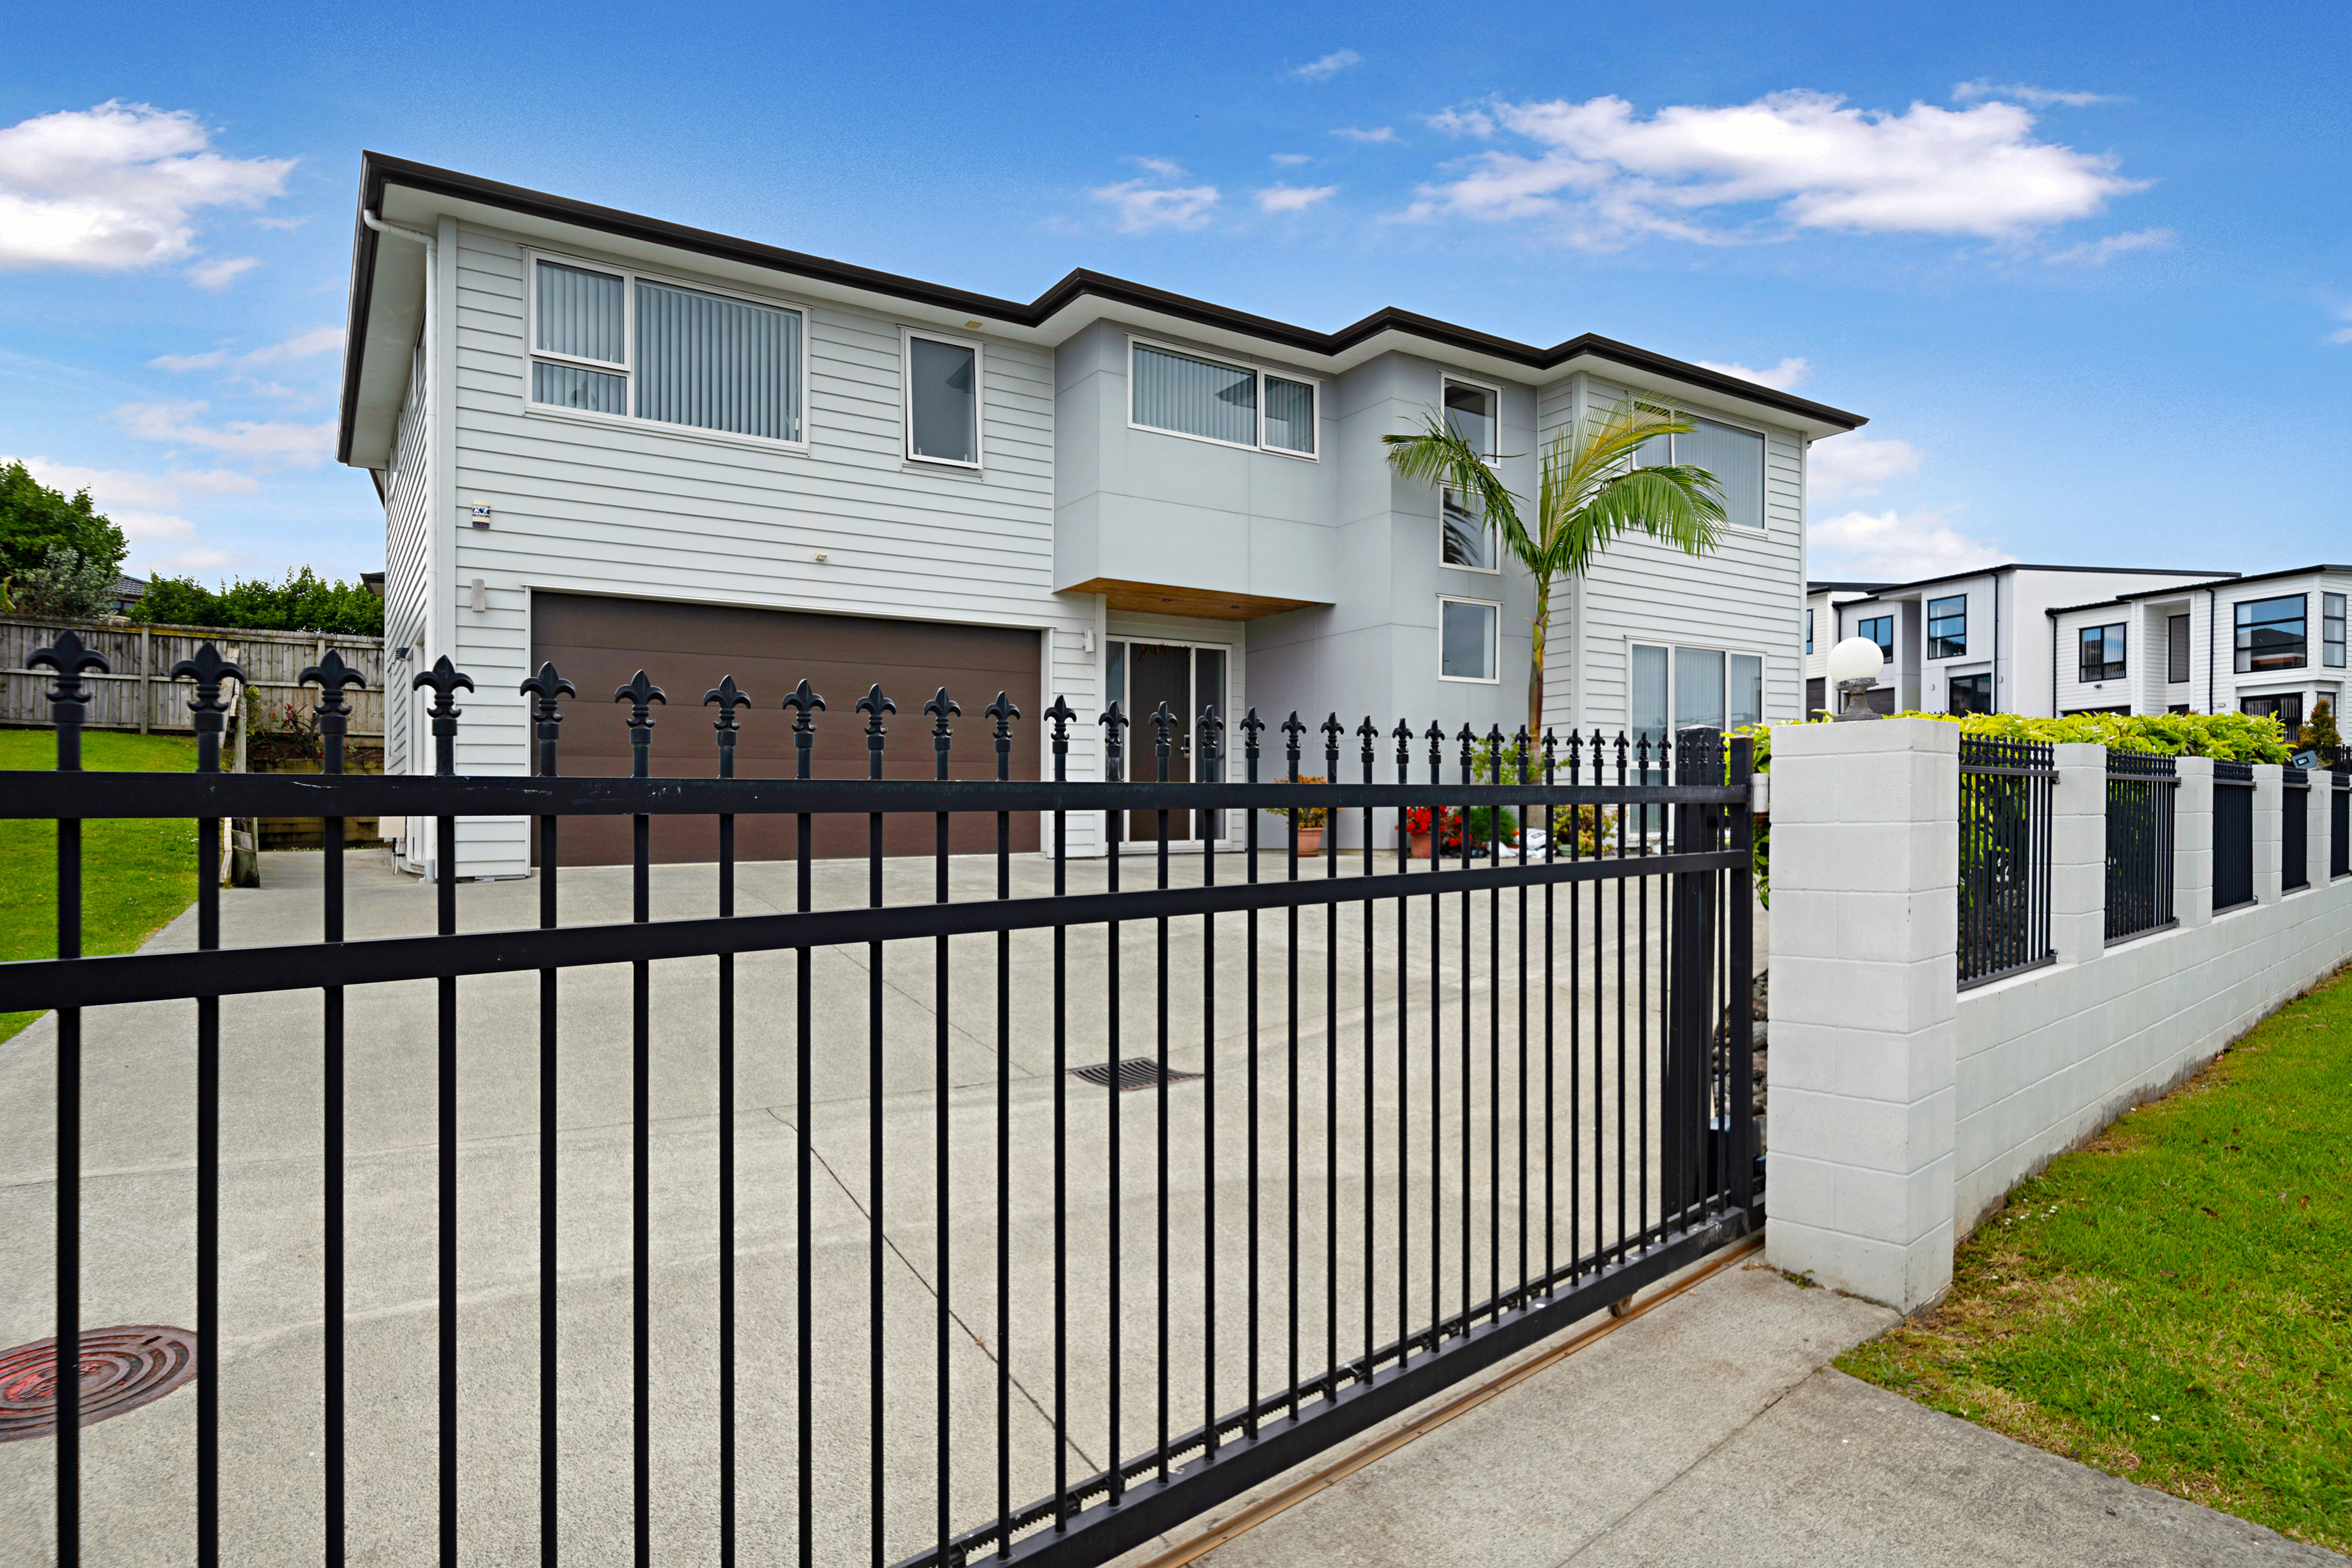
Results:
x,y
616,441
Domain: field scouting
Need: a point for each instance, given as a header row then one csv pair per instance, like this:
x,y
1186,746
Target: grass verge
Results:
x,y
2173,1303
136,875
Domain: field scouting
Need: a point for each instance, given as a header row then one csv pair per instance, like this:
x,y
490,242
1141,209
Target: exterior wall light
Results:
x,y
1854,666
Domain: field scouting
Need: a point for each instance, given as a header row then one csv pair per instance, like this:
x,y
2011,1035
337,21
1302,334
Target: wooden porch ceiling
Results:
x,y
1196,603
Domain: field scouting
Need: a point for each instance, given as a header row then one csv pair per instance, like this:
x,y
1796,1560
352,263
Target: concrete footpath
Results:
x,y
1710,1429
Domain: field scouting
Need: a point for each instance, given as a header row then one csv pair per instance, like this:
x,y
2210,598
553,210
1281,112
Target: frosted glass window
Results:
x,y
942,401
1735,458
1466,640
1195,397
1747,691
1649,705
1698,688
1289,415
717,363
568,386
580,314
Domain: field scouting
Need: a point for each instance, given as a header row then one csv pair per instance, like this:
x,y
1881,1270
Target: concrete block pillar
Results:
x,y
2270,843
2078,854
2192,842
2315,827
1865,874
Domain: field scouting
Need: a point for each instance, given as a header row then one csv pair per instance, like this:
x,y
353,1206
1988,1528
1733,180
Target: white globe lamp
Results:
x,y
1854,666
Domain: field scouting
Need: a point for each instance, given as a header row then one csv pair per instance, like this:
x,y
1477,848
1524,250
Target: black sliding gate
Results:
x,y
1398,1118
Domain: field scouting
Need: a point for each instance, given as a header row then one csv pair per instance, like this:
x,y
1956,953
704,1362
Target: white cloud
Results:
x,y
200,559
1289,160
117,186
284,224
1376,134
1166,167
140,526
218,275
139,504
2341,335
1329,66
1780,377
267,445
1142,207
1854,464
301,346
110,488
216,481
1607,178
1462,122
1893,546
2099,252
2018,92
1292,198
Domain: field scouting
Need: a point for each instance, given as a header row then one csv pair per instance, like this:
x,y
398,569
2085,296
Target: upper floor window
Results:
x,y
1879,629
1735,456
1467,637
2176,652
1465,537
942,409
2103,652
613,342
1948,627
2269,634
2331,630
1238,405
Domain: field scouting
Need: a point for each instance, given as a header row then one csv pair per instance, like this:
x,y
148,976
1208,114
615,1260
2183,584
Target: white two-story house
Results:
x,y
613,441
2270,642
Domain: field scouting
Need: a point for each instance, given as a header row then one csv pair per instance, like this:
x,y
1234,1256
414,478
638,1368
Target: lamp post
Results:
x,y
1854,666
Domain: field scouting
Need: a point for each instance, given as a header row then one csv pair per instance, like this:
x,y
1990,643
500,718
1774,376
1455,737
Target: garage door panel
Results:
x,y
599,643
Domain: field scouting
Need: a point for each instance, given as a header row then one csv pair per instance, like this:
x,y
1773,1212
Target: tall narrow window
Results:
x,y
1948,627
1745,691
2269,634
1466,636
2176,649
942,401
1290,415
1809,630
2331,630
1467,539
2102,649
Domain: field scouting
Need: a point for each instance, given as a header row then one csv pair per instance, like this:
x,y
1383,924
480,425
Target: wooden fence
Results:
x,y
140,694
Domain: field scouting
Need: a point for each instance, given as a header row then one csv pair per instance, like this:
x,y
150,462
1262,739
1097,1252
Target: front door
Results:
x,y
1158,673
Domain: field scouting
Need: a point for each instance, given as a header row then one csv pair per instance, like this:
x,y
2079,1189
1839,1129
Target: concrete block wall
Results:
x,y
1904,1109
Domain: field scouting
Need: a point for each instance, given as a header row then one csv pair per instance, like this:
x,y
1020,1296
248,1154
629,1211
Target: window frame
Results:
x,y
628,369
1960,649
2121,668
1494,538
1730,651
1764,469
1231,362
2331,631
1809,632
907,336
1494,639
1953,680
2302,660
1888,647
2186,647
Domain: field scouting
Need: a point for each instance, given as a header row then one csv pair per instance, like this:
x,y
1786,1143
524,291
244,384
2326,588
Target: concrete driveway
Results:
x,y
139,1192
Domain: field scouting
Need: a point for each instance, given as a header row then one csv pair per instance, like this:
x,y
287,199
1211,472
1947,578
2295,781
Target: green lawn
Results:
x,y
136,875
2173,1303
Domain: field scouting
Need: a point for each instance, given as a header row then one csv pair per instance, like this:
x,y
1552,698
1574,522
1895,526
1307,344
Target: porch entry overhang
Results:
x,y
1189,602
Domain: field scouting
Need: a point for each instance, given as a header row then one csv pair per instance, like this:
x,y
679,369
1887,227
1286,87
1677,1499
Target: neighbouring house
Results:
x,y
613,441
128,592
1972,642
2268,642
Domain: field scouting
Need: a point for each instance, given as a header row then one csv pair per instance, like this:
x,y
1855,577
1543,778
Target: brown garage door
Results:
x,y
599,643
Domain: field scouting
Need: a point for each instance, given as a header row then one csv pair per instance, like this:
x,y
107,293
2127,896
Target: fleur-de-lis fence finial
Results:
x,y
331,676
1059,716
1292,729
943,708
1368,734
805,702
1333,730
547,715
1001,714
208,670
444,679
1251,728
729,696
1435,736
1164,726
874,705
68,699
640,694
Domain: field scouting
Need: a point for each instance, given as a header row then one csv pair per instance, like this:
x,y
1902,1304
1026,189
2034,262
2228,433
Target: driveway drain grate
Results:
x,y
1136,1072
121,1369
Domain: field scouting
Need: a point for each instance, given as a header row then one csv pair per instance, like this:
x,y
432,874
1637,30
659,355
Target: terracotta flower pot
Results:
x,y
1420,846
1310,843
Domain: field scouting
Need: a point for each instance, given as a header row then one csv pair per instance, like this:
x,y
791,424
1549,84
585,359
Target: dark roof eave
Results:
x,y
378,170
2227,579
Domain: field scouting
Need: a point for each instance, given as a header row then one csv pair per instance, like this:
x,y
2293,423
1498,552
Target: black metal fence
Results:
x,y
2142,792
2294,830
1525,1094
2339,820
2234,835
2004,826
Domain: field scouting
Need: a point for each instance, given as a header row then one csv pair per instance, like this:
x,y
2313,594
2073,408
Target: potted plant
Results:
x,y
1307,821
1416,829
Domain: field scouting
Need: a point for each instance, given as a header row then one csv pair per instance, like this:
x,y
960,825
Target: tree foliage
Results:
x,y
36,520
66,584
2229,736
301,601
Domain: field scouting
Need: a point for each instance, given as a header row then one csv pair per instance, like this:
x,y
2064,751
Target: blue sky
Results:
x,y
2087,268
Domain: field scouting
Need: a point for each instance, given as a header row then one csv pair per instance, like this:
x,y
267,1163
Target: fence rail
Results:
x,y
2005,800
2142,794
136,691
1535,1098
2234,835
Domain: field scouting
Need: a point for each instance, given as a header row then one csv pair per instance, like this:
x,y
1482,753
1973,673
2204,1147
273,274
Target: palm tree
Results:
x,y
1590,494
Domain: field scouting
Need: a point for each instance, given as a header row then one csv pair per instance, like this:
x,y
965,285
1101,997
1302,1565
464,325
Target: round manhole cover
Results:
x,y
121,1369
